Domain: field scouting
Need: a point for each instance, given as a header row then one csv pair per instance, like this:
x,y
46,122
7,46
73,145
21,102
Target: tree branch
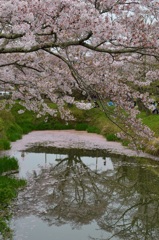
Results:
x,y
20,66
11,35
50,44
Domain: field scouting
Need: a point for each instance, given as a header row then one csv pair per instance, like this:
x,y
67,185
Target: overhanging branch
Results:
x,y
50,44
11,35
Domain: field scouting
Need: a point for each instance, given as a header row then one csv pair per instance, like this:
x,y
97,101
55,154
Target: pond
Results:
x,y
86,194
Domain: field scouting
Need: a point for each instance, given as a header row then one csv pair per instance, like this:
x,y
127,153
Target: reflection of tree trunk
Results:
x,y
45,159
75,166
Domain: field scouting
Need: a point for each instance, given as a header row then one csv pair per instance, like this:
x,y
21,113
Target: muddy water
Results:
x,y
76,192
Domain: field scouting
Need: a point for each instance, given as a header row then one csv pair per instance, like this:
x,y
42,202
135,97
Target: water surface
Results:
x,y
75,194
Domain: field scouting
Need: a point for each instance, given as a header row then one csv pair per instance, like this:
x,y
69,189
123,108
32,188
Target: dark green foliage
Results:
x,y
52,125
5,231
125,143
8,191
8,164
86,127
93,129
6,194
24,120
43,126
81,126
112,137
27,127
13,125
10,130
14,132
4,144
62,126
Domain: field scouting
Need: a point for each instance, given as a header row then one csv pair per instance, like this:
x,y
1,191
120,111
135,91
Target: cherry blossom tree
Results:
x,y
52,47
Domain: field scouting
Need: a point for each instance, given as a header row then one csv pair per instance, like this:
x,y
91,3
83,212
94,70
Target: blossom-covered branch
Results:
x,y
103,49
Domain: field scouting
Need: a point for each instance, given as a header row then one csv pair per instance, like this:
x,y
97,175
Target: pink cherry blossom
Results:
x,y
104,48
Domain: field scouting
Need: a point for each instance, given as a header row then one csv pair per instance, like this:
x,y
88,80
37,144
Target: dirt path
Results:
x,y
72,139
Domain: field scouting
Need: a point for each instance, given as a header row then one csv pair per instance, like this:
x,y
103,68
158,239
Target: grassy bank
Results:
x,y
9,186
9,129
14,125
152,121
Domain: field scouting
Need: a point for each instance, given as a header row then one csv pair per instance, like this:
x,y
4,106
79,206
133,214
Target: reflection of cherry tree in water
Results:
x,y
67,192
134,210
79,192
124,202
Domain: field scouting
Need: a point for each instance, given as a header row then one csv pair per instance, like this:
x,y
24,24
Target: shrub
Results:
x,y
4,144
81,126
14,132
112,137
8,164
62,126
93,129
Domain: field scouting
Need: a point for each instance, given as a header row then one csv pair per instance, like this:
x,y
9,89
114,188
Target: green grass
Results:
x,y
28,120
9,186
9,129
4,144
25,120
62,126
8,164
93,129
14,125
112,137
51,124
8,189
14,132
80,115
152,121
81,126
